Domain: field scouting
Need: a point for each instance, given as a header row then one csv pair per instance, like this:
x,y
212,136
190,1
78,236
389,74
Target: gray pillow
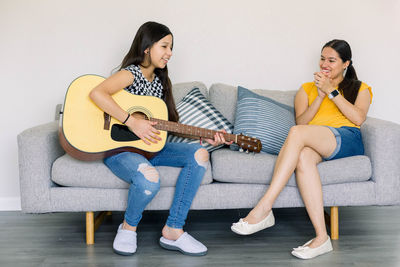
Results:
x,y
195,110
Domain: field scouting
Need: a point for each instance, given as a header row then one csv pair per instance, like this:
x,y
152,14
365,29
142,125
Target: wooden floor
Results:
x,y
369,236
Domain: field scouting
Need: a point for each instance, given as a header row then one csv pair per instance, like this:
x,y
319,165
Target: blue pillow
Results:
x,y
264,118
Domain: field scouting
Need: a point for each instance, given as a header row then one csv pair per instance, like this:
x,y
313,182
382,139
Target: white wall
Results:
x,y
45,44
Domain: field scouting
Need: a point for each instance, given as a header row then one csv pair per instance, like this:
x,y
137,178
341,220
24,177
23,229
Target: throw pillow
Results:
x,y
195,110
263,118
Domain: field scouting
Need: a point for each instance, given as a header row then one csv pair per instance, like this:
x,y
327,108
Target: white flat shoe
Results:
x,y
186,244
305,252
125,242
245,228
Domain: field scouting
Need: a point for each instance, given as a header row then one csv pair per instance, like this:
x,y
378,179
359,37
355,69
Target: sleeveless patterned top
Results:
x,y
141,86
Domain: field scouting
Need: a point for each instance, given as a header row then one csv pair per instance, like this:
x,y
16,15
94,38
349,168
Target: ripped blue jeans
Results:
x,y
132,168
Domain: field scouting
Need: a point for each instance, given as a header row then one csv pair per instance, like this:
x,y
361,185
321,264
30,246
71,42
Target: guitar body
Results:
x,y
87,133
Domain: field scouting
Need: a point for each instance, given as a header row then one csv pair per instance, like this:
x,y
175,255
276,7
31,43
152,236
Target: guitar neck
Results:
x,y
194,131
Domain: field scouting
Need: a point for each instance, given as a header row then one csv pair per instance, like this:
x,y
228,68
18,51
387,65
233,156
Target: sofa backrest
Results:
x,y
224,98
180,90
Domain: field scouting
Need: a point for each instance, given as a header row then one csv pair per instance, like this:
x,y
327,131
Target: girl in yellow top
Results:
x,y
329,112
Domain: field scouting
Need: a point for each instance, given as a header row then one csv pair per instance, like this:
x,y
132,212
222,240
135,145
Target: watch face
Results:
x,y
333,94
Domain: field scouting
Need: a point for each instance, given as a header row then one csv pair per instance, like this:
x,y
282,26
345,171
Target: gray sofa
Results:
x,y
52,181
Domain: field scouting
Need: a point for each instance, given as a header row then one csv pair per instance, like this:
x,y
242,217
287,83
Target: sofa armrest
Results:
x,y
382,144
38,147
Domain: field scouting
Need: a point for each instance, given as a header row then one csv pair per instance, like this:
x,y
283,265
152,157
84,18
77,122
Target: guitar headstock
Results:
x,y
249,144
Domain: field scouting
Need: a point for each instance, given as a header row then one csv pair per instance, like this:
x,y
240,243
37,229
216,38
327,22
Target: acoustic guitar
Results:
x,y
88,133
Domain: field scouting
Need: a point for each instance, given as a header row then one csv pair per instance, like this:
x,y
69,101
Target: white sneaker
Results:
x,y
245,228
125,242
305,252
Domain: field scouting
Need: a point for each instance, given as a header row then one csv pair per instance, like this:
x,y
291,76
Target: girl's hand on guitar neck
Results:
x,y
144,130
218,139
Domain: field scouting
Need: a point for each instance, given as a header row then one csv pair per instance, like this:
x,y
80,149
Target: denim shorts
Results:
x,y
349,142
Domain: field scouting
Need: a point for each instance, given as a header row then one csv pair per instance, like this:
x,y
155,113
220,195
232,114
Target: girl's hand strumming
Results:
x,y
144,130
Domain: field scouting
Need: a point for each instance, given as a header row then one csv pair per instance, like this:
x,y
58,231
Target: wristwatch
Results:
x,y
333,94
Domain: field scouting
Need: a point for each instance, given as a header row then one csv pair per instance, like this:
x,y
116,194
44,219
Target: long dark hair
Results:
x,y
148,34
350,85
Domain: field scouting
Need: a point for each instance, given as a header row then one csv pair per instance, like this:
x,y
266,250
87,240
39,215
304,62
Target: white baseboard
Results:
x,y
10,203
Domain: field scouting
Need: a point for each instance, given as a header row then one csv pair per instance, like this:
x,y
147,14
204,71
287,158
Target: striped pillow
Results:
x,y
195,110
263,118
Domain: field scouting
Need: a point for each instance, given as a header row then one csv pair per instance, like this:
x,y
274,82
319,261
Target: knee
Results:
x,y
202,157
306,159
150,185
295,131
297,135
149,172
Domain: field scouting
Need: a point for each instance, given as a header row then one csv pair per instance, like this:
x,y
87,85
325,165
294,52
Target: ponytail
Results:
x,y
350,85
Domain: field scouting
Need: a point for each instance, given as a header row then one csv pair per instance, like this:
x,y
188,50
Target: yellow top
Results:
x,y
328,113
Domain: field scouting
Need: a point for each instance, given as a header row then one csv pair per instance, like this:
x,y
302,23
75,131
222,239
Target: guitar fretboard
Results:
x,y
194,131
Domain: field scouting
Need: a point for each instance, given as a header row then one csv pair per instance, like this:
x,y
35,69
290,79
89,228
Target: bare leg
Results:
x,y
167,232
126,226
320,138
171,233
309,184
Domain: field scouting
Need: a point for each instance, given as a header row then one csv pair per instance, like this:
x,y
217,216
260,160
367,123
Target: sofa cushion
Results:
x,y
264,118
67,171
195,110
224,98
235,167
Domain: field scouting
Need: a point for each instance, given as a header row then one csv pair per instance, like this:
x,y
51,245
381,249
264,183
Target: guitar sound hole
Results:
x,y
121,133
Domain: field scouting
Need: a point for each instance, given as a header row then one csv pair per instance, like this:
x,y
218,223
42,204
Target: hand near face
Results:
x,y
323,82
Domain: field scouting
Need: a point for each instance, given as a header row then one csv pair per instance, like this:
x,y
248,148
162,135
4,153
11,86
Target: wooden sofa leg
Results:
x,y
90,228
92,224
334,223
